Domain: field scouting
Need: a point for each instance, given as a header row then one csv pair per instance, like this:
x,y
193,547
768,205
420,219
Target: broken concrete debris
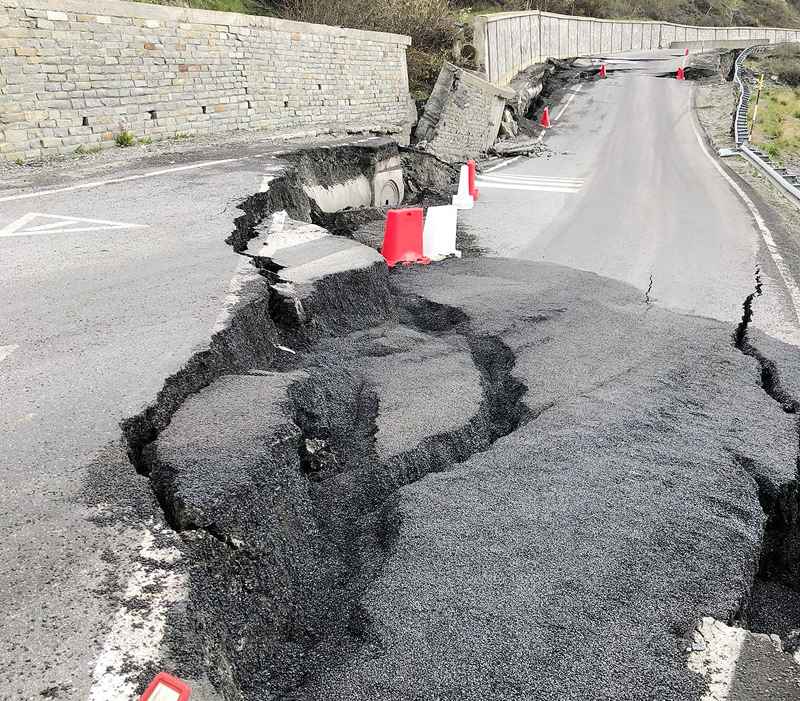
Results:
x,y
462,116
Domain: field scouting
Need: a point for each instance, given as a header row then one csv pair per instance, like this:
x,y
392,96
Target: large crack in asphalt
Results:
x,y
289,454
337,485
777,583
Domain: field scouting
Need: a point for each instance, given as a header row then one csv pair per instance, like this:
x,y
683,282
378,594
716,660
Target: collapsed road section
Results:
x,y
486,479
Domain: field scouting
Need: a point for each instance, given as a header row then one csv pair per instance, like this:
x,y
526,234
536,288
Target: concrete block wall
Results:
x,y
462,116
509,42
74,72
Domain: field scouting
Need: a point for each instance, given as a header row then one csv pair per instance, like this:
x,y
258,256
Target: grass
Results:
x,y
81,151
244,7
777,130
782,61
125,139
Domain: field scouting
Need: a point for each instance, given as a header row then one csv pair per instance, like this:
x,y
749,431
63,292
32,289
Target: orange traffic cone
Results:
x,y
546,118
402,238
603,73
680,74
472,189
687,52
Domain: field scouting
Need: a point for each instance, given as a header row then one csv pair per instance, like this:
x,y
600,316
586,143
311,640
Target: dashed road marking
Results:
x,y
61,225
571,98
766,234
6,351
534,183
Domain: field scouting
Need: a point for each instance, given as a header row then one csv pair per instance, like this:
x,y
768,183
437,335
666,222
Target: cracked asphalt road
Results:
x,y
96,321
652,207
570,558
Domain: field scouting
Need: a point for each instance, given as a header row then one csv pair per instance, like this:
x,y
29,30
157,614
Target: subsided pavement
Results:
x,y
489,478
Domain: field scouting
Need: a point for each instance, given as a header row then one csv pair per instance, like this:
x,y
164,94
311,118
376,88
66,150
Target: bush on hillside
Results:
x,y
431,24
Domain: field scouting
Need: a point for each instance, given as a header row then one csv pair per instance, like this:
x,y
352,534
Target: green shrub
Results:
x,y
125,138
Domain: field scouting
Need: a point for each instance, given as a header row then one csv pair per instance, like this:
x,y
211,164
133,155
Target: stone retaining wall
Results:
x,y
75,72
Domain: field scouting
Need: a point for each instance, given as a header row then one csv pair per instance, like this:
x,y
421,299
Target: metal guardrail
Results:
x,y
788,182
740,130
779,176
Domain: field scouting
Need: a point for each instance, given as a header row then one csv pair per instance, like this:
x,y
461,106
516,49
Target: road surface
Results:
x,y
108,287
631,191
106,290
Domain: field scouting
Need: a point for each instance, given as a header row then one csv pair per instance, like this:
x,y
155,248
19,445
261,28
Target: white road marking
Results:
x,y
128,178
533,188
533,183
780,263
279,239
20,226
571,98
134,640
533,179
714,655
165,171
6,351
245,271
503,164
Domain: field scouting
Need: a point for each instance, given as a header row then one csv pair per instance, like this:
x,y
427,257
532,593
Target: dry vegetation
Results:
x,y
432,24
777,129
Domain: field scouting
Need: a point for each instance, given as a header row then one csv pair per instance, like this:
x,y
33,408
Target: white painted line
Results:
x,y
114,181
571,98
503,164
766,234
77,224
6,351
134,640
278,239
48,227
245,271
533,188
535,179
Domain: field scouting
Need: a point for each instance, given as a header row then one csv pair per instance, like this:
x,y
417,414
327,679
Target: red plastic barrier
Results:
x,y
472,189
163,682
402,238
